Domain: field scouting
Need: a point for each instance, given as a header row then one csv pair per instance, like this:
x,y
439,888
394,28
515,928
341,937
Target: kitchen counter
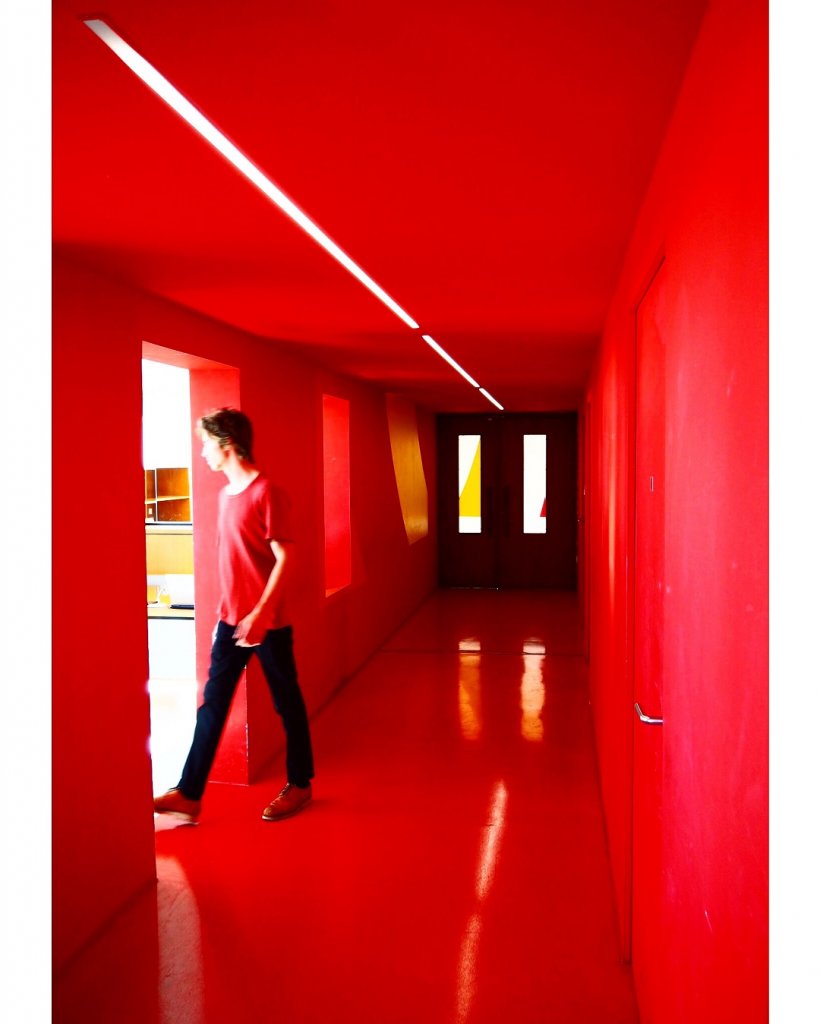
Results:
x,y
164,611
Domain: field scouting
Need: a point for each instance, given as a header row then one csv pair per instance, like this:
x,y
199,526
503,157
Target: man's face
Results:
x,y
213,453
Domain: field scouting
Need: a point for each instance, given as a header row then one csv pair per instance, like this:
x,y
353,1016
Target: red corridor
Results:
x,y
530,805
452,867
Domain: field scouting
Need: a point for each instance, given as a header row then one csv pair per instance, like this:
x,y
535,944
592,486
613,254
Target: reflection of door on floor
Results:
x,y
650,450
508,501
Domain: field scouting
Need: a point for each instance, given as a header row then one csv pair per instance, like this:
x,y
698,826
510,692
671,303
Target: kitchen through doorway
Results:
x,y
167,451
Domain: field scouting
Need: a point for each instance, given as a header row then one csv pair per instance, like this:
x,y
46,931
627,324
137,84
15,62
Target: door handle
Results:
x,y
646,718
488,499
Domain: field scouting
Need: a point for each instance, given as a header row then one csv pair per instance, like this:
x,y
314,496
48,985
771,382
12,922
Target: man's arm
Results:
x,y
251,630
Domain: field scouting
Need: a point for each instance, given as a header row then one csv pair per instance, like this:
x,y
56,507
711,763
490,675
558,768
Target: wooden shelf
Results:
x,y
167,495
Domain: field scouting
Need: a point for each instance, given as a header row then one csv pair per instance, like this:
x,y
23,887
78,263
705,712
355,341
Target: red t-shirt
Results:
x,y
248,522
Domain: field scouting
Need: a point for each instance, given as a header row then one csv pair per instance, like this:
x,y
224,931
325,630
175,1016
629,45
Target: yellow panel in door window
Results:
x,y
469,483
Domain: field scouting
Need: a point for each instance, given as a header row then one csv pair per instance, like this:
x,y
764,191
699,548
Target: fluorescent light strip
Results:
x,y
188,112
490,397
163,88
448,358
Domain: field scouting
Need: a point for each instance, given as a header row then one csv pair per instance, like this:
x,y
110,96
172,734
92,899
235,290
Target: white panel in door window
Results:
x,y
469,483
535,483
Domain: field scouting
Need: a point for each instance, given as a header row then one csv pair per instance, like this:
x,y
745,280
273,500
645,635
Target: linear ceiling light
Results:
x,y
488,396
448,358
163,88
188,112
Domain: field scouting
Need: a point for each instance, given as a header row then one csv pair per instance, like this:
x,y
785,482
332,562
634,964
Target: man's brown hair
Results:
x,y
229,426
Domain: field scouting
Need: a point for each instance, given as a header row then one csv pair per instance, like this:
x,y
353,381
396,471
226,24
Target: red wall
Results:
x,y
706,212
103,845
102,832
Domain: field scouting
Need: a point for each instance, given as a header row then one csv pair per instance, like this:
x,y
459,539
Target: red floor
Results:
x,y
452,867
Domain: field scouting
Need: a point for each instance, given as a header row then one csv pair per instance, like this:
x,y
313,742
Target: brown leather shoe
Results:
x,y
291,800
178,806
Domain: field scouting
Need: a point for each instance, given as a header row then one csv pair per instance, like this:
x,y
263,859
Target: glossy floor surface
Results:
x,y
452,867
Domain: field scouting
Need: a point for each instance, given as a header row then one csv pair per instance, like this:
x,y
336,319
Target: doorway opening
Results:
x,y
182,613
169,562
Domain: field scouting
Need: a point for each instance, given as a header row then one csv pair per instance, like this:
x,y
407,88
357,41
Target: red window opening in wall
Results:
x,y
336,454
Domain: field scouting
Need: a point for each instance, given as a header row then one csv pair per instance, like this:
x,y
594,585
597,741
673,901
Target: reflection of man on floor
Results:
x,y
254,544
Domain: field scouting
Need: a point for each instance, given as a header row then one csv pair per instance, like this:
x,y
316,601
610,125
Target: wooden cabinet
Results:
x,y
168,495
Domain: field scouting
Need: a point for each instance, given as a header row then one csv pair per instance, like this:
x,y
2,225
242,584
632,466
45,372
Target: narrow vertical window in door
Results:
x,y
469,483
535,483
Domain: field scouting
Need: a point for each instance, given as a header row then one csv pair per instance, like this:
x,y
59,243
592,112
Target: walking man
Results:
x,y
254,547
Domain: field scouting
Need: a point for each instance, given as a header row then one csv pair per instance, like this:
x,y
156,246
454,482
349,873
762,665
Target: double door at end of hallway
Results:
x,y
507,500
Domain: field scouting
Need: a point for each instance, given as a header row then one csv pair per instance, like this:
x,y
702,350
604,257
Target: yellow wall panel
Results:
x,y
407,466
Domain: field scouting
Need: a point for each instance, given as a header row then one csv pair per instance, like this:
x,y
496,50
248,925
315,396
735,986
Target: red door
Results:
x,y
647,863
508,500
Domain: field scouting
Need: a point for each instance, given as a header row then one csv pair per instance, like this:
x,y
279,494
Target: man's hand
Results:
x,y
248,632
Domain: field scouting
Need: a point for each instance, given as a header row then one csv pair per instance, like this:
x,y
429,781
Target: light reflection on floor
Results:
x,y
533,697
451,867
493,831
180,960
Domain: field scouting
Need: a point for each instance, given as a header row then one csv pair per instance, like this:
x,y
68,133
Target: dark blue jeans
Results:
x,y
227,664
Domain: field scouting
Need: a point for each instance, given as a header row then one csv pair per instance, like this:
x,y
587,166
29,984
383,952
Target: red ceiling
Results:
x,y
483,160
